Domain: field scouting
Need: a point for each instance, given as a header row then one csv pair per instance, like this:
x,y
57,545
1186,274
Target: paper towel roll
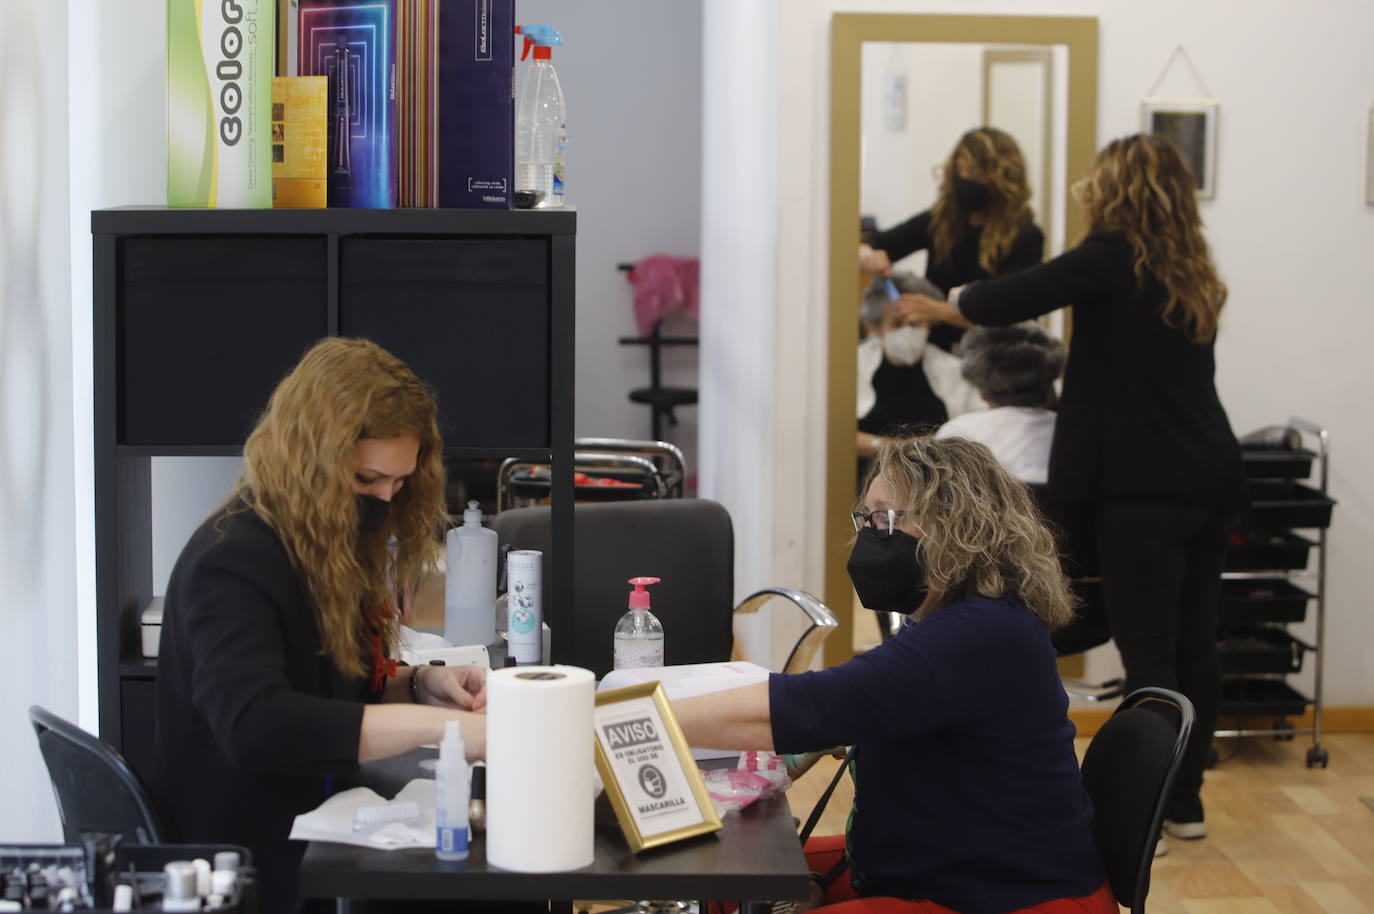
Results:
x,y
541,762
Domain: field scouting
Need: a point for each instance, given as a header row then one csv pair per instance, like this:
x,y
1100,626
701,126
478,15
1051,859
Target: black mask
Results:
x,y
971,195
372,513
886,571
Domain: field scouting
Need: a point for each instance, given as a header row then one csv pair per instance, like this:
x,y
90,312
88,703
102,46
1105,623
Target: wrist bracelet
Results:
x,y
415,685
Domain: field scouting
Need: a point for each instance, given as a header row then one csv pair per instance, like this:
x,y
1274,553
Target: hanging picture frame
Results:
x,y
1191,123
650,775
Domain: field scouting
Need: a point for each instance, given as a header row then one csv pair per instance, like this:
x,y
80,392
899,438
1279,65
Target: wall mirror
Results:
x,y
904,88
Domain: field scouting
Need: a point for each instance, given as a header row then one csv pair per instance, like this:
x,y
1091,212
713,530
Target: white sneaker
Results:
x,y
1188,831
1161,847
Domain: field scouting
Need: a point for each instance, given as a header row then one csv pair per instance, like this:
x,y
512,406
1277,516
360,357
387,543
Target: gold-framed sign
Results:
x,y
651,778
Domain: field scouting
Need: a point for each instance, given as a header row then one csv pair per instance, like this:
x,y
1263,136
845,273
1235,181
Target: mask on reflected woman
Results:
x,y
372,513
887,571
905,345
971,195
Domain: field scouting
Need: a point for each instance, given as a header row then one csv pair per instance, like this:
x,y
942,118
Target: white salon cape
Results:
x,y
942,373
1018,436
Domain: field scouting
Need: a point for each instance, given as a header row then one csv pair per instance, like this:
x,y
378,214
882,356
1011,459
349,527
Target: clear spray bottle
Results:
x,y
451,801
639,634
541,123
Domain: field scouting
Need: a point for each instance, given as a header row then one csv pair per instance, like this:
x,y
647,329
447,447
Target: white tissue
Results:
x,y
332,820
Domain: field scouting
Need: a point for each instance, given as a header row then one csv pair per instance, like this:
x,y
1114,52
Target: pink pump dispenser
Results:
x,y
639,634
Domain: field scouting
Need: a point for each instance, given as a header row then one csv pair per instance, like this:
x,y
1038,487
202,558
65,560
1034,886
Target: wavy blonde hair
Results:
x,y
998,161
1141,186
299,464
981,531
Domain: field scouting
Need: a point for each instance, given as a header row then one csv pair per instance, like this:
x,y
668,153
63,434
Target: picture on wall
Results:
x,y
1191,123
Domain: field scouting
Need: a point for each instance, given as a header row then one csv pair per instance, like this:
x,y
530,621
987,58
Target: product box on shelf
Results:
x,y
457,103
299,141
353,44
219,97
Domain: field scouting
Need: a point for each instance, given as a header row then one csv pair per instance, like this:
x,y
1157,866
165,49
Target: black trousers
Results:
x,y
1160,563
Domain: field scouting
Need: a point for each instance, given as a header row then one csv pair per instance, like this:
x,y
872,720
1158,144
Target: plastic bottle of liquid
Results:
x,y
451,804
639,634
470,585
541,131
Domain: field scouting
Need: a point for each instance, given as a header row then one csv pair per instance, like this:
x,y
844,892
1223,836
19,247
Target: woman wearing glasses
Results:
x,y
967,791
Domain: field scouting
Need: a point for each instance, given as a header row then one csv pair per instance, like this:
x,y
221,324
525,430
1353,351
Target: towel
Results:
x,y
662,283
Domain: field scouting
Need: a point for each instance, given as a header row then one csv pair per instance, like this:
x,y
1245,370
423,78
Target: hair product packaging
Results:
x,y
219,98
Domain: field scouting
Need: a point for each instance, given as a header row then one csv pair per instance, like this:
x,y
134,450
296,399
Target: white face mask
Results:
x,y
905,345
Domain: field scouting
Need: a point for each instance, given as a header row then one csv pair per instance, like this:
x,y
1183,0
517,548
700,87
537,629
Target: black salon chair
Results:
x,y
687,542
1127,771
96,790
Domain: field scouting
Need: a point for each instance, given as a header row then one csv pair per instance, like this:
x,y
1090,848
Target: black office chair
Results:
x,y
96,790
690,544
1128,771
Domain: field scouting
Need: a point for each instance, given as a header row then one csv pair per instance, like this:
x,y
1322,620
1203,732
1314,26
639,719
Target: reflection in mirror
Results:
x,y
907,88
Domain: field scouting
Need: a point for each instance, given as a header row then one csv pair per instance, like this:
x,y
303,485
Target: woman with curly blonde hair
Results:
x,y
1143,463
967,792
279,619
981,224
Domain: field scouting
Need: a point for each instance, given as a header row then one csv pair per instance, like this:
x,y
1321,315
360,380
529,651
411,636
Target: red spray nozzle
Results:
x,y
639,597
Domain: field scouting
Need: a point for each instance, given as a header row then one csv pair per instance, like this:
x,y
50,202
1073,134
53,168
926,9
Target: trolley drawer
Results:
x,y
1249,602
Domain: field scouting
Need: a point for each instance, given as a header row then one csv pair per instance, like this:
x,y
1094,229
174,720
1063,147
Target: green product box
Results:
x,y
219,102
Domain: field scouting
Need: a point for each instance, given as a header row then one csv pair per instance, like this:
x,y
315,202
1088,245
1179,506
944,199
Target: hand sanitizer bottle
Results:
x,y
451,805
639,634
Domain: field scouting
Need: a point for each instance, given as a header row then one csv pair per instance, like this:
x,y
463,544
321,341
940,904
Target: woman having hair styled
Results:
x,y
273,672
967,792
980,226
1143,450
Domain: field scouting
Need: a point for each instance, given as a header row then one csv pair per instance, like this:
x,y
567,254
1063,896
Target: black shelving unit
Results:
x,y
198,314
1270,581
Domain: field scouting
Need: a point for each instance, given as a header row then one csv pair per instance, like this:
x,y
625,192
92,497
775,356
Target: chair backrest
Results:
x,y
96,789
687,542
1127,771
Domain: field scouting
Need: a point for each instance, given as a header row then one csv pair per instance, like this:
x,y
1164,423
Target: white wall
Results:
x,y
631,73
1289,228
37,614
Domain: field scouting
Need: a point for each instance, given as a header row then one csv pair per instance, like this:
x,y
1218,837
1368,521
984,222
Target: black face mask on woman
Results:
x,y
372,513
971,195
886,571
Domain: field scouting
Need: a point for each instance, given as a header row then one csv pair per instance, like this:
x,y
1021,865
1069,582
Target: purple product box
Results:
x,y
476,158
353,42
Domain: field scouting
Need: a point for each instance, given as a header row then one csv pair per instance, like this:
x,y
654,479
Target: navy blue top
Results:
x,y
967,789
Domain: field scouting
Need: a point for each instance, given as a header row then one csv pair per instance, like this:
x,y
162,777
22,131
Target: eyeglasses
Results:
x,y
882,521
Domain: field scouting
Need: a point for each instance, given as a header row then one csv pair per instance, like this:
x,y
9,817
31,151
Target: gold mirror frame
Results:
x,y
848,32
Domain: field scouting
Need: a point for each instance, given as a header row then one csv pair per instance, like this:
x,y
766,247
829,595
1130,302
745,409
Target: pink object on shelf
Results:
x,y
662,283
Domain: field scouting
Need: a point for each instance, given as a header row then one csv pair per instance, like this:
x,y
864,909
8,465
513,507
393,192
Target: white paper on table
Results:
x,y
688,680
332,820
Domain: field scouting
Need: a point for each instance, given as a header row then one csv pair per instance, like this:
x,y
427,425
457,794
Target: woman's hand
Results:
x,y
462,687
914,307
872,260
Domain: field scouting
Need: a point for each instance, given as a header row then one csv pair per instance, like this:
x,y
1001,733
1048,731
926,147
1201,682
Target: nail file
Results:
x,y
891,287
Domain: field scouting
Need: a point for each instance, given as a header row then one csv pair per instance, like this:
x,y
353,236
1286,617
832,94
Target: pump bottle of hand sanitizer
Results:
x,y
639,634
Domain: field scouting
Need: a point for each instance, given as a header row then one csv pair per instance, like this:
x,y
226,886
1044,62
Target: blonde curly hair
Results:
x,y
981,531
1142,186
997,160
299,463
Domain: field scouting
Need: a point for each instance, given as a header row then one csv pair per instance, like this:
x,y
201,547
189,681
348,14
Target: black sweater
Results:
x,y
251,717
1140,415
962,267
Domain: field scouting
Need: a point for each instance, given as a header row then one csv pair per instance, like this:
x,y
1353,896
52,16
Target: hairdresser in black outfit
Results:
x,y
273,674
1142,446
980,225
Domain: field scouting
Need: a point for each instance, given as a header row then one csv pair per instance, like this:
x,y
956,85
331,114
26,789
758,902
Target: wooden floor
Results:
x,y
1281,837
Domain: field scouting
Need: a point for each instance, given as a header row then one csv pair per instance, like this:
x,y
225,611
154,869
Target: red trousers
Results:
x,y
824,853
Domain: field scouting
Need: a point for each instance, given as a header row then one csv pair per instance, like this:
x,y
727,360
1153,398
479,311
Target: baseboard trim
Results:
x,y
1345,719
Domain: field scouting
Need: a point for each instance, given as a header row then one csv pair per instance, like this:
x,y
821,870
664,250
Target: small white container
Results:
x,y
151,625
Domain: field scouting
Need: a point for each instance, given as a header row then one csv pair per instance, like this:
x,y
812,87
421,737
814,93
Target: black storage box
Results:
x,y
1280,504
1259,649
1254,551
1248,602
1261,696
1285,463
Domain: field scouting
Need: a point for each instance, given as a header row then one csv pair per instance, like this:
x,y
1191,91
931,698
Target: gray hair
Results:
x,y
1013,366
875,296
